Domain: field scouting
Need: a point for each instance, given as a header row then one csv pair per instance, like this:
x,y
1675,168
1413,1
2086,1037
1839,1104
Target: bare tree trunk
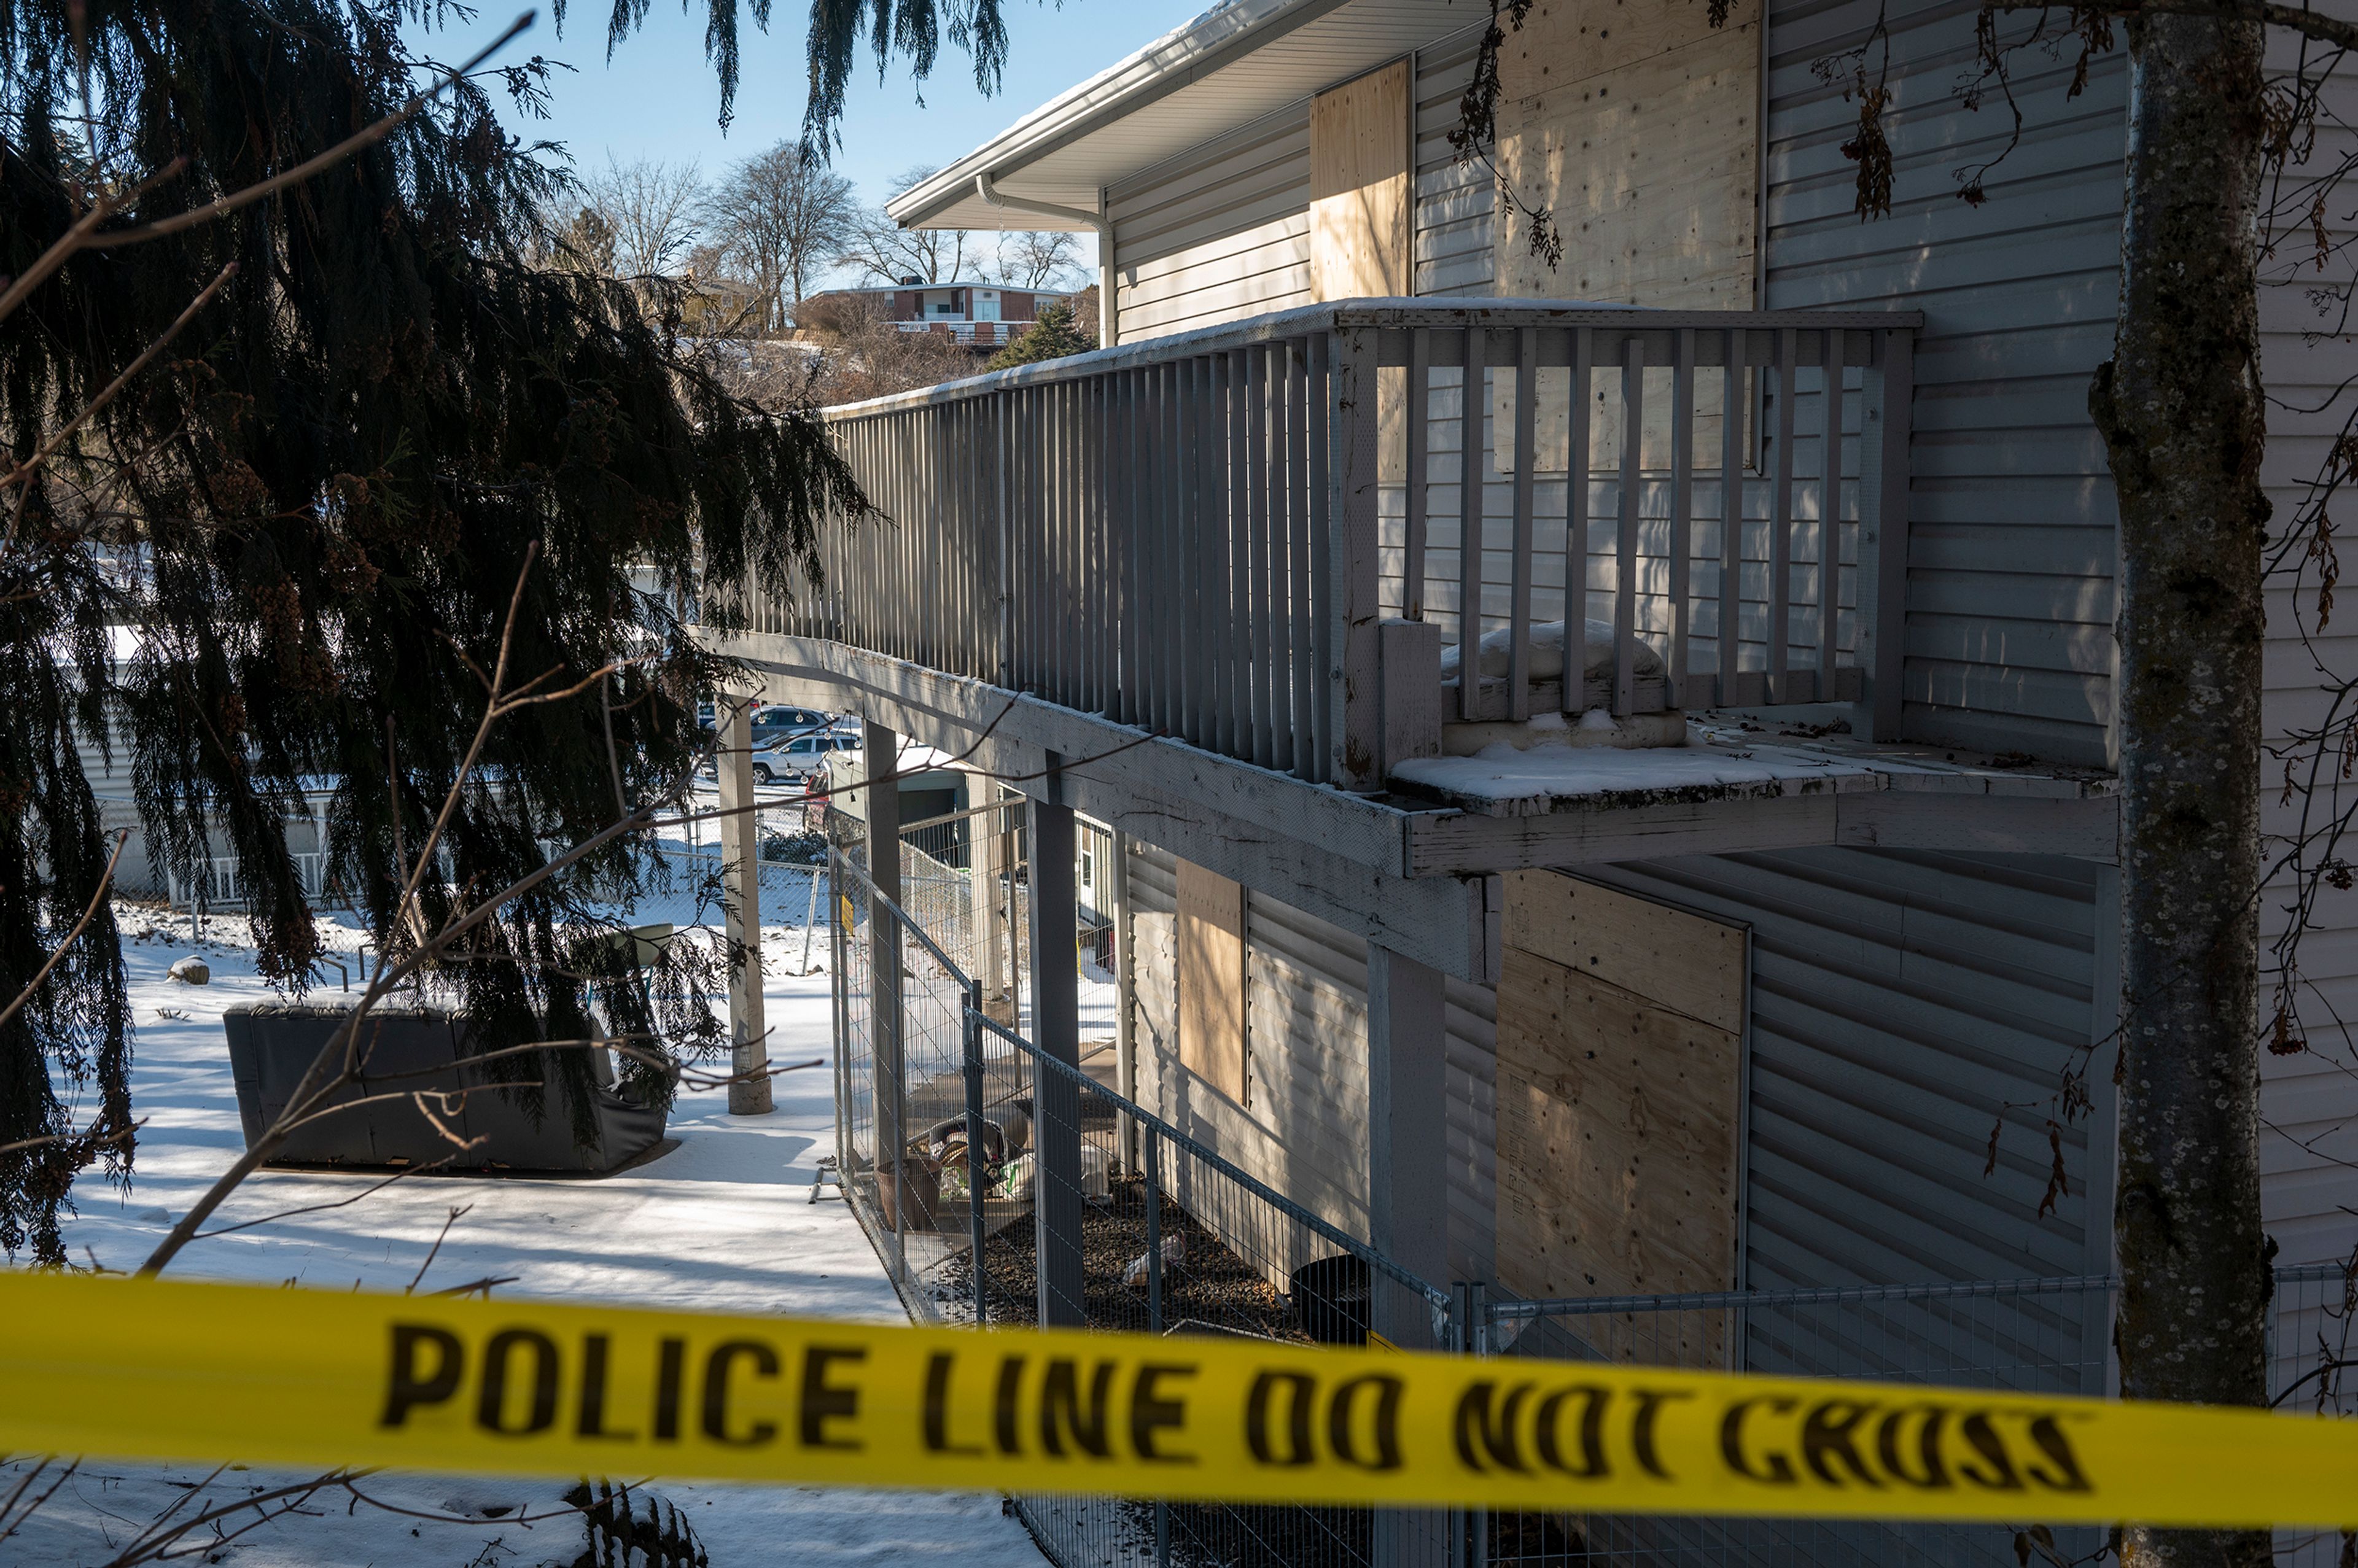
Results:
x,y
2181,409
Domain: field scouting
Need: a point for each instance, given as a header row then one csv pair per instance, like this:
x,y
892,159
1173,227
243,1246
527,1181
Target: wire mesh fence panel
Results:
x,y
963,882
1002,1185
1107,1217
901,1095
2313,1351
2017,1336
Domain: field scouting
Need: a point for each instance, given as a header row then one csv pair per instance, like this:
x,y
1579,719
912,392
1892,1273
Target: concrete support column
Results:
x,y
880,801
740,873
1056,1030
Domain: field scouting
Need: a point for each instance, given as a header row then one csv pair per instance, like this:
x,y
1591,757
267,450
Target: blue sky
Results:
x,y
659,98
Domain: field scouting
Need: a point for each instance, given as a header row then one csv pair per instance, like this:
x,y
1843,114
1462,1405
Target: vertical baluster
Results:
x,y
958,545
1281,556
1019,538
1576,652
1319,523
1054,432
1188,585
939,539
1625,537
1211,545
1781,522
1683,396
1240,477
1886,396
1050,587
1301,590
1264,748
1080,633
1414,415
1211,550
1140,445
1178,467
1123,482
1113,561
1168,609
1830,518
1471,461
1519,593
1211,430
1040,581
1731,517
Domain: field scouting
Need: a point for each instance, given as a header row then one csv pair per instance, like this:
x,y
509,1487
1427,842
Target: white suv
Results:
x,y
799,756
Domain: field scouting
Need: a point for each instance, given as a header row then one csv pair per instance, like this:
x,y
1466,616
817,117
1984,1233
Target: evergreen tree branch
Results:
x,y
90,410
97,897
321,1080
215,211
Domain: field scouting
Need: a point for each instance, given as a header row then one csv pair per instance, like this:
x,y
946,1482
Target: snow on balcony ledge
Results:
x,y
1723,760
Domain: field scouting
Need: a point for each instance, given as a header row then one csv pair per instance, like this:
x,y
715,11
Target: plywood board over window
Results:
x,y
1211,953
1620,1083
1361,193
1638,127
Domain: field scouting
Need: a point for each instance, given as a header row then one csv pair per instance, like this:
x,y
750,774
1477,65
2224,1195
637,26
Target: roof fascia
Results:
x,y
1106,98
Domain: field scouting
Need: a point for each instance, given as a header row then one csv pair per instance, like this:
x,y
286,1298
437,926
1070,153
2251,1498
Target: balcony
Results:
x,y
966,333
1254,537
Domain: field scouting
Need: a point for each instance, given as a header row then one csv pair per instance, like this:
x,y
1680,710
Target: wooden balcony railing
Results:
x,y
1260,536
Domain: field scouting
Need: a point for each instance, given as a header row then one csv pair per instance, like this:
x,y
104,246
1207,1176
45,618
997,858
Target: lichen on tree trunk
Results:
x,y
2181,409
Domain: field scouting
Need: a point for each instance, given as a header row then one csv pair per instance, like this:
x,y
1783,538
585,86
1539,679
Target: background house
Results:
x,y
982,315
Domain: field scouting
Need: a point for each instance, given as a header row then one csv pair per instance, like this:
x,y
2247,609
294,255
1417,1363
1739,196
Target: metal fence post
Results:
x,y
1154,1304
839,992
1153,1231
972,1041
1473,1339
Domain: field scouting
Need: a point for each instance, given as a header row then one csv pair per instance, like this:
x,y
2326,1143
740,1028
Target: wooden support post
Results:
x,y
740,873
1408,1191
990,845
1409,664
1408,1163
1125,992
1056,1206
881,803
1885,392
1353,544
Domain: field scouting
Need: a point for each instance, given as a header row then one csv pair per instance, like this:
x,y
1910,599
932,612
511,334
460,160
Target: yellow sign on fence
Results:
x,y
170,1370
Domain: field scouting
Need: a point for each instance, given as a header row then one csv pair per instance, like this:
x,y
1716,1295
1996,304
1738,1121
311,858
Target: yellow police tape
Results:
x,y
184,1371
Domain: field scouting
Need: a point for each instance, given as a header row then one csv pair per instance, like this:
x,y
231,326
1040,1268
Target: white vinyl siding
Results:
x,y
1219,234
2010,552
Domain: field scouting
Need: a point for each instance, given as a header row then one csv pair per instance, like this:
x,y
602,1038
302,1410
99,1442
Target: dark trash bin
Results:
x,y
271,1046
1330,1299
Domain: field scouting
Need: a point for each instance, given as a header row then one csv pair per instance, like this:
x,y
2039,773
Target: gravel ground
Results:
x,y
1205,1286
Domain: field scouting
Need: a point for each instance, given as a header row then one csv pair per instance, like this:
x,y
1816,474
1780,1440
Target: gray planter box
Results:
x,y
413,1049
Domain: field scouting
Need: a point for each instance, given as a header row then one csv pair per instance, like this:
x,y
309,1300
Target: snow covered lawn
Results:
x,y
720,1222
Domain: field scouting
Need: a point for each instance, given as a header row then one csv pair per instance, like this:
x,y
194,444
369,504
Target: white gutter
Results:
x,y
1193,52
1097,221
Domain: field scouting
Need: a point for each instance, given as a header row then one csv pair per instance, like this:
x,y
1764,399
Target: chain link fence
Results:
x,y
2312,1352
2022,1335
1005,1186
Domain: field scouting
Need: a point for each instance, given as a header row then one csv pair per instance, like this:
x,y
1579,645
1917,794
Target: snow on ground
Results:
x,y
721,1223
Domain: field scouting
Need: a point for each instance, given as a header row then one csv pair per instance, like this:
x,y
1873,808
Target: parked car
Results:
x,y
799,756
771,723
